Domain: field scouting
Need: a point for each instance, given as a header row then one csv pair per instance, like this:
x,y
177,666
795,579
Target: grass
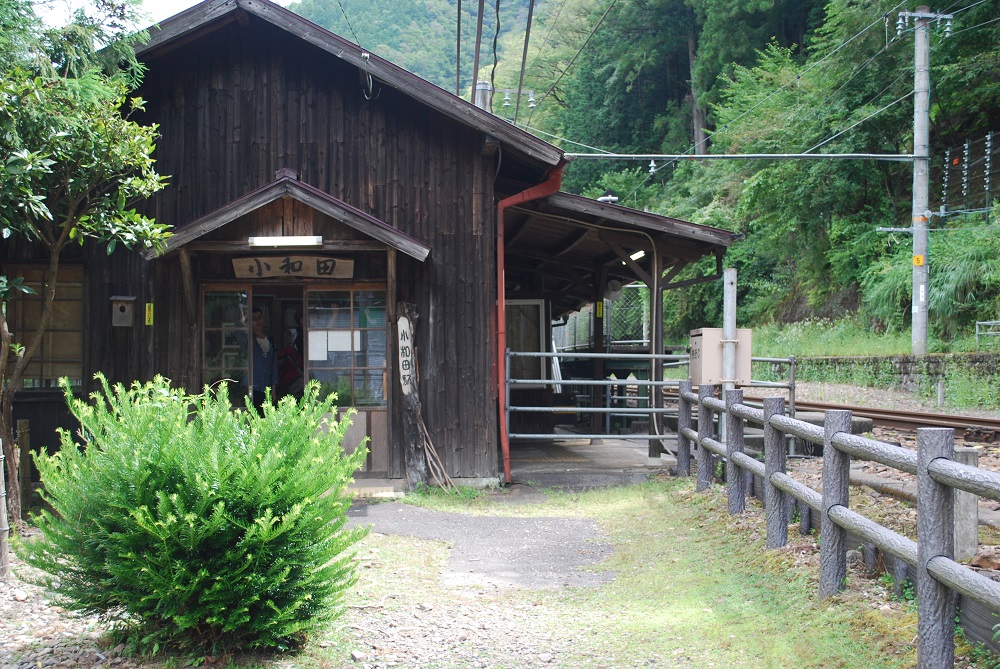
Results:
x,y
691,590
824,337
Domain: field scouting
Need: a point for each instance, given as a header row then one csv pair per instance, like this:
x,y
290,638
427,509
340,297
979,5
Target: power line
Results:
x,y
965,30
830,139
343,11
577,55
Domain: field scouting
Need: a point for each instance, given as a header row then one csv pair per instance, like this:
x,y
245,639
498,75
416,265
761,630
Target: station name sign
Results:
x,y
306,266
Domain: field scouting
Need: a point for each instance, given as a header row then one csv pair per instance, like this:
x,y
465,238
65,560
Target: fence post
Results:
x,y
836,492
24,472
704,431
683,421
735,488
935,517
775,509
966,510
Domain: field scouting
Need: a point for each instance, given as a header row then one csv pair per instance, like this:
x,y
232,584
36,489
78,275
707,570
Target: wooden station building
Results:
x,y
326,187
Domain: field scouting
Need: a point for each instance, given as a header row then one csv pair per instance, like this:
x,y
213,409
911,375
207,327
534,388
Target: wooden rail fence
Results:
x,y
938,476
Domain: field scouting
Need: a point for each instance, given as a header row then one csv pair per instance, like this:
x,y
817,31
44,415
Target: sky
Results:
x,y
57,12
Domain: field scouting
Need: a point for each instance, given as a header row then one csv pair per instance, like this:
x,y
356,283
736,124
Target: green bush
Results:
x,y
191,525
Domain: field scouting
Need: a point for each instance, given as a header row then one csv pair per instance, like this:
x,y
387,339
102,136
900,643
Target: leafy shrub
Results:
x,y
182,521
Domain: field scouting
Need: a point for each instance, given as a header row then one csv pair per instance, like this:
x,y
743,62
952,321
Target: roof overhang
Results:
x,y
566,247
286,185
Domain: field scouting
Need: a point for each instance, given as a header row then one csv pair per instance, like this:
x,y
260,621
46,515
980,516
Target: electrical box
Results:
x,y
706,357
122,311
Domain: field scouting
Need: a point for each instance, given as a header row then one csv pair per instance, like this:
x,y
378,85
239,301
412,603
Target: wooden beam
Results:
x,y
187,280
693,282
669,276
624,256
569,244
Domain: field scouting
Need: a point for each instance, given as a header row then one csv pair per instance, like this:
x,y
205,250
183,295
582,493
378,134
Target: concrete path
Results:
x,y
502,551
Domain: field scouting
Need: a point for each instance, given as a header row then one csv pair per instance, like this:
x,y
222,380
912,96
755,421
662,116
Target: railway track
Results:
x,y
972,428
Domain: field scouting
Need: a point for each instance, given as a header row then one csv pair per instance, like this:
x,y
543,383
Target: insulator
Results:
x,y
652,167
531,100
947,28
506,98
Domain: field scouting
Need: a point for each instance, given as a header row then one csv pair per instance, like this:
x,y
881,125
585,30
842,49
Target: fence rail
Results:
x,y
938,476
615,404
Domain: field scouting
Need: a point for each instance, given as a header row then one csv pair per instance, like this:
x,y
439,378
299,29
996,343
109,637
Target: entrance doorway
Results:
x,y
334,335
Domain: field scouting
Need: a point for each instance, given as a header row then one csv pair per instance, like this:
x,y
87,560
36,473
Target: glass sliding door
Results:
x,y
225,340
346,344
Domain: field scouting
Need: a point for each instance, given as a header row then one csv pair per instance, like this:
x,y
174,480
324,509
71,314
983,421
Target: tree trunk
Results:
x,y
13,486
698,114
10,383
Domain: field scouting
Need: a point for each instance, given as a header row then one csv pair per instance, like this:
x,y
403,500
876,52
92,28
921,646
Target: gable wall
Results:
x,y
236,107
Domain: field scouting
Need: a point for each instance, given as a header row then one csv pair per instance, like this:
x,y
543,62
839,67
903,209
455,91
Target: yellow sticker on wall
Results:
x,y
918,261
149,313
600,308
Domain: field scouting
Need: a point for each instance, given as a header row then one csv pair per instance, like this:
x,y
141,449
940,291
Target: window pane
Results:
x,y
371,352
369,309
368,387
334,381
329,310
225,309
67,346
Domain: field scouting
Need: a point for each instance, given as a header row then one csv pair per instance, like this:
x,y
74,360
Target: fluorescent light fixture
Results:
x,y
637,255
301,240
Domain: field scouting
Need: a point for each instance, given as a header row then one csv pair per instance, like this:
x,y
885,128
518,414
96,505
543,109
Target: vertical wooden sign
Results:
x,y
413,454
407,378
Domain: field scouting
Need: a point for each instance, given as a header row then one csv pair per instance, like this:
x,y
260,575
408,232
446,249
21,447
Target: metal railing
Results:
x,y
615,404
652,412
987,329
938,475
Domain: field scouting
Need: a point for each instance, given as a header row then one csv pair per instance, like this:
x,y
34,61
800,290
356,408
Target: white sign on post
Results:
x,y
407,367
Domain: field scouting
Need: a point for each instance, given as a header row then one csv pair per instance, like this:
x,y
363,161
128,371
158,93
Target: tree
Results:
x,y
72,163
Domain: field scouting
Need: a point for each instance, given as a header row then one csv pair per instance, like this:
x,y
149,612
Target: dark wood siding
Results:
x,y
235,108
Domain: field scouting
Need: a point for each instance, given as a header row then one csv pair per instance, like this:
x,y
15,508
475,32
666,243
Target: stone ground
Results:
x,y
439,632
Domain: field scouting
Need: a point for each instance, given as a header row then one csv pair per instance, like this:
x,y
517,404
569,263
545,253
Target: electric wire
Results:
x,y
458,50
527,127
854,125
493,72
575,56
980,25
545,40
524,58
795,79
818,109
343,11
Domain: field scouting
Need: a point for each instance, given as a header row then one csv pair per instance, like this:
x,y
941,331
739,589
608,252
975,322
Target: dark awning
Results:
x,y
287,185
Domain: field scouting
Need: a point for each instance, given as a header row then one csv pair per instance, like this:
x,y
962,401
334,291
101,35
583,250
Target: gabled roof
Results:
x,y
210,15
286,184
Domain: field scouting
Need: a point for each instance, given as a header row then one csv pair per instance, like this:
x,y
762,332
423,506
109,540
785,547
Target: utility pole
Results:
x,y
921,158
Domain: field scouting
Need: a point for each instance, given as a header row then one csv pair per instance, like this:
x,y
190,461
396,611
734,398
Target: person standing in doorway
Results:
x,y
265,362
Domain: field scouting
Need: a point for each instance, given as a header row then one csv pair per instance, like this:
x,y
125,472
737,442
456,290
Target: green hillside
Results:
x,y
419,36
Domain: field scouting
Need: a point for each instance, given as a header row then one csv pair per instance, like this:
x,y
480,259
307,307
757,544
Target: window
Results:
x,y
61,351
346,344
